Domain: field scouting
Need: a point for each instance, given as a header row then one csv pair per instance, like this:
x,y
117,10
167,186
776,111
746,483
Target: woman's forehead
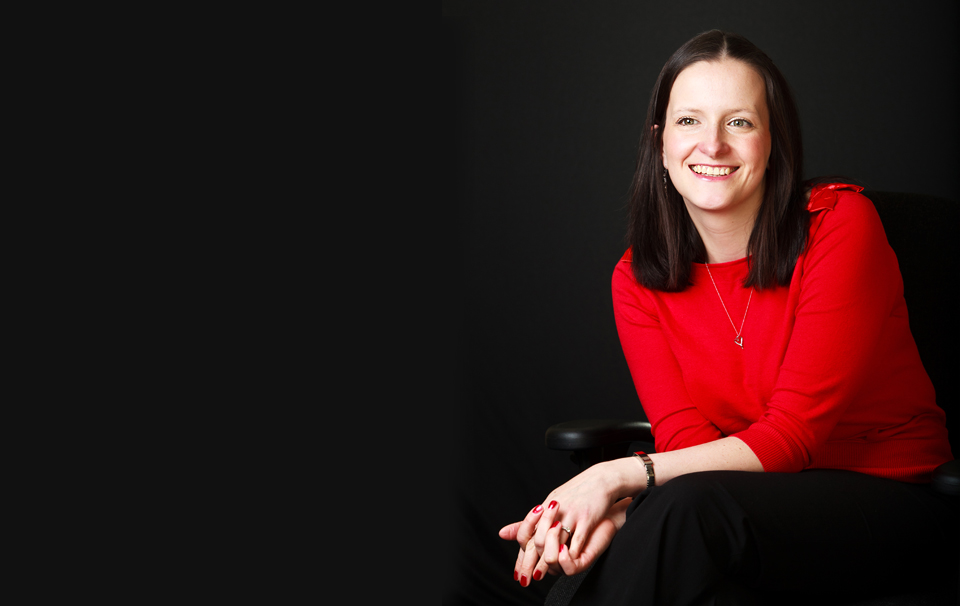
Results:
x,y
708,85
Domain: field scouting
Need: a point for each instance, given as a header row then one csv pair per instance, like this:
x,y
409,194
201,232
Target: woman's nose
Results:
x,y
713,143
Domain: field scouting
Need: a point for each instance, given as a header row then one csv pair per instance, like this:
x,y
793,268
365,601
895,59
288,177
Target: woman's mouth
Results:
x,y
713,171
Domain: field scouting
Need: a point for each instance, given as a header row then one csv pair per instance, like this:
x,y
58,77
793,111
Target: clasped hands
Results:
x,y
585,512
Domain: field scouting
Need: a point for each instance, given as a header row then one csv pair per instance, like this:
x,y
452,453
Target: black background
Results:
x,y
542,107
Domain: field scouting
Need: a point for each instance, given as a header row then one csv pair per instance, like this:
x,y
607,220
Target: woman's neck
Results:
x,y
725,237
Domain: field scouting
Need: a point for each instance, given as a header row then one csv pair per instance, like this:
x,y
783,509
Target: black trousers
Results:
x,y
727,537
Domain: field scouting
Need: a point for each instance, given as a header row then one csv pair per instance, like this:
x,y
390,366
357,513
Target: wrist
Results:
x,y
649,473
631,477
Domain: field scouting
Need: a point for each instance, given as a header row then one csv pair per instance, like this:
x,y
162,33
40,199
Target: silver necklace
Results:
x,y
739,338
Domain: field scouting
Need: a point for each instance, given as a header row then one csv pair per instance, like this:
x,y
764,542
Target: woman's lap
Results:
x,y
729,536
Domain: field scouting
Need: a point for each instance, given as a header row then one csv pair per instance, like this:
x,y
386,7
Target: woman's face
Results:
x,y
716,139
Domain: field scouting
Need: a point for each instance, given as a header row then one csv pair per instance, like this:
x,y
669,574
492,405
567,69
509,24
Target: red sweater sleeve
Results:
x,y
848,283
675,419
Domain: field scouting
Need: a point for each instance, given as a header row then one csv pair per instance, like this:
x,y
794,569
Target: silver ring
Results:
x,y
567,529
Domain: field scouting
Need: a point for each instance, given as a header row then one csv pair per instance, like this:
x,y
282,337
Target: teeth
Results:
x,y
714,171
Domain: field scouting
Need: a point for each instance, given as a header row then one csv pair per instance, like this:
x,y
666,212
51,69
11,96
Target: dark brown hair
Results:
x,y
661,234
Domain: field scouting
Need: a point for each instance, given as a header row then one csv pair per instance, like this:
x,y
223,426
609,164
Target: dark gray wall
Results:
x,y
543,105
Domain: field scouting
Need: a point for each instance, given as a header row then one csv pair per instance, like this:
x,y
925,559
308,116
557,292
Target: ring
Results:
x,y
567,529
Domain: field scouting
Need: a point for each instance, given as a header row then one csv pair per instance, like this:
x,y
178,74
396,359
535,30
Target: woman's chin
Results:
x,y
719,201
710,204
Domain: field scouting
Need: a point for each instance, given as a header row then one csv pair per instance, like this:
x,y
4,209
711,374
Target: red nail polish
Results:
x,y
555,524
516,575
537,575
523,580
552,505
538,509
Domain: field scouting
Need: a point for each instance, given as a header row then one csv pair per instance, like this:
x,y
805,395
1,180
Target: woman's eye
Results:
x,y
686,121
739,122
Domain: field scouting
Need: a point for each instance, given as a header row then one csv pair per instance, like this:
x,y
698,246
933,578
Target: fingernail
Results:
x,y
552,505
537,575
555,524
516,575
523,580
538,509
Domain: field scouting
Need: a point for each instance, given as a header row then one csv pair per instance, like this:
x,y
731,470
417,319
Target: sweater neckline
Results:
x,y
734,263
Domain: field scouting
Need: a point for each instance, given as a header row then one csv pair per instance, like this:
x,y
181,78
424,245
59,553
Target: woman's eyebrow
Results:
x,y
693,110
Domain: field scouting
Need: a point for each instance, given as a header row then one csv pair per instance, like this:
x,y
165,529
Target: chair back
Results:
x,y
923,231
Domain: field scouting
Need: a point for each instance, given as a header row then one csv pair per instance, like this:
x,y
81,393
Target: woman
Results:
x,y
766,331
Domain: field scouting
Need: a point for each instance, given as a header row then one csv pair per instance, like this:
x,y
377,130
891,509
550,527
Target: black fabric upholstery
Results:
x,y
923,231
564,589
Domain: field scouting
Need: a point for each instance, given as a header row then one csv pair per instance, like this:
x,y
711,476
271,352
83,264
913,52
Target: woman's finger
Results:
x,y
529,563
595,544
578,536
541,569
566,563
528,526
551,546
509,532
546,522
569,565
565,534
517,565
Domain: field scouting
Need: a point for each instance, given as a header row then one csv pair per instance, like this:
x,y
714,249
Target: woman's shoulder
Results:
x,y
842,204
841,211
623,272
624,280
824,196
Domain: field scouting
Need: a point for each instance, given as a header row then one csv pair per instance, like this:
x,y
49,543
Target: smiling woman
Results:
x,y
716,145
719,103
764,324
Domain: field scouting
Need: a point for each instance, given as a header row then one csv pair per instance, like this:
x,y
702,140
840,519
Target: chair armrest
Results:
x,y
594,433
946,478
593,441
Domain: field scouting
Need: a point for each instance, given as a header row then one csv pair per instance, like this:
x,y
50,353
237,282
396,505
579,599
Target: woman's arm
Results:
x,y
588,496
723,454
674,417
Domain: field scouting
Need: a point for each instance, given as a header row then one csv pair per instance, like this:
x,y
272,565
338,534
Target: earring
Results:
x,y
664,179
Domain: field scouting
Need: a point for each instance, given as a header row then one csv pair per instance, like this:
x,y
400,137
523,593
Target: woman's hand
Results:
x,y
529,567
578,508
584,501
598,542
556,557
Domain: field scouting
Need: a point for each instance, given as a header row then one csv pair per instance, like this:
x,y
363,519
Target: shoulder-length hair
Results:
x,y
661,234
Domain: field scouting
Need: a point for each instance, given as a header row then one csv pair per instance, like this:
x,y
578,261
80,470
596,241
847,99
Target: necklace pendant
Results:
x,y
739,341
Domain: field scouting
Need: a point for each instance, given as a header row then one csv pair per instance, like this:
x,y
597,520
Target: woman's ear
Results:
x,y
663,159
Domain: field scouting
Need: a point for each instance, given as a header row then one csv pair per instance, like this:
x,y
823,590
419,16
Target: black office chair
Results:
x,y
923,231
